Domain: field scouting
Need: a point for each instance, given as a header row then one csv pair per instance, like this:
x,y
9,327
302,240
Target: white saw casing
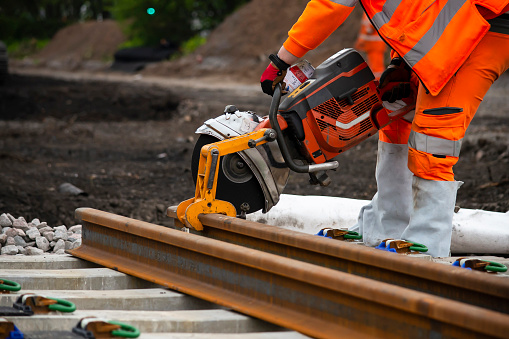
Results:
x,y
265,161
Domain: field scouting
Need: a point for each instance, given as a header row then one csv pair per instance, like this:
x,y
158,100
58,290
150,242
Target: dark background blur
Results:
x,y
145,22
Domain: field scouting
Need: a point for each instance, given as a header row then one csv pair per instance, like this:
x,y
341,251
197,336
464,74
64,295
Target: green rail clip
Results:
x,y
125,331
62,306
8,285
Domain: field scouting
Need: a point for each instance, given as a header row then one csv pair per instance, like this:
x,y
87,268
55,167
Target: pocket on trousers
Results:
x,y
440,117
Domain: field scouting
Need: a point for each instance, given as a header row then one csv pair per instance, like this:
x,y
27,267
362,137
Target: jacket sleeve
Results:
x,y
319,20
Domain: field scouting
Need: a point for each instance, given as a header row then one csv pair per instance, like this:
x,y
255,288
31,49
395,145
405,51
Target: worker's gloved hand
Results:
x,y
274,74
395,81
397,85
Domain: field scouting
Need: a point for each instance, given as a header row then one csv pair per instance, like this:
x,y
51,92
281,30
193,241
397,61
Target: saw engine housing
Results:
x,y
338,107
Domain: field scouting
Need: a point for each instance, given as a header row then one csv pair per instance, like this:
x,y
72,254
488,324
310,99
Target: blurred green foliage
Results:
x,y
176,21
193,43
19,49
25,20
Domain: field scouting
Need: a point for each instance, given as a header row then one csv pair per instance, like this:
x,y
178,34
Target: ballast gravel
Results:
x,y
19,237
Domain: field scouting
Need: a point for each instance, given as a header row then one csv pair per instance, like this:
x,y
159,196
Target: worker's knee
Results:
x,y
431,166
435,142
442,122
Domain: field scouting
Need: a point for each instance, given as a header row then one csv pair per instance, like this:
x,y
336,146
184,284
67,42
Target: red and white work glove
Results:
x,y
274,73
398,87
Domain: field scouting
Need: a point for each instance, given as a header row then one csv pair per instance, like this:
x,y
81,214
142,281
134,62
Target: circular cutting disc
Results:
x,y
236,182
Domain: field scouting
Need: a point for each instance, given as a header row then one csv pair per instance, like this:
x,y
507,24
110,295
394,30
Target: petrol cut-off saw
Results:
x,y
241,161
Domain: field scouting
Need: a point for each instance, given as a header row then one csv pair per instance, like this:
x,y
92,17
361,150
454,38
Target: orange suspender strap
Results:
x,y
319,20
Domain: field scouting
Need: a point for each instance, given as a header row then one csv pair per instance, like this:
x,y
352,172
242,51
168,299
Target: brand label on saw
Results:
x,y
297,74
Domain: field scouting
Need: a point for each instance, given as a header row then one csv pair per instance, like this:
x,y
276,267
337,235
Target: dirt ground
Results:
x,y
127,145
125,140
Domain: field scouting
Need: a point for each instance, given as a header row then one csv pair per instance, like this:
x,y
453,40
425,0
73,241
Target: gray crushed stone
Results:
x,y
19,237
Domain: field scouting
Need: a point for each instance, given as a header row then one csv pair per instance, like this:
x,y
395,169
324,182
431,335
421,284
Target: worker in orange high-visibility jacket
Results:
x,y
369,42
446,55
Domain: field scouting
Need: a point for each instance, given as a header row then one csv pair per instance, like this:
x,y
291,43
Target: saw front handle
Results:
x,y
204,200
274,123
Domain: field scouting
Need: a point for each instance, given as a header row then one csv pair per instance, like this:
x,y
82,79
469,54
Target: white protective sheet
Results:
x,y
474,231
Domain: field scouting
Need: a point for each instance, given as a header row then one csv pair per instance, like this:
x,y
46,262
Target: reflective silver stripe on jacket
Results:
x,y
347,3
426,43
434,145
383,17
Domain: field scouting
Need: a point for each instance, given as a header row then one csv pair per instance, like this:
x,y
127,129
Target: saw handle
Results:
x,y
274,105
269,135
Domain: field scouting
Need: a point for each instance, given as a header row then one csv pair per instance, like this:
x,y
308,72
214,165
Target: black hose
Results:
x,y
274,105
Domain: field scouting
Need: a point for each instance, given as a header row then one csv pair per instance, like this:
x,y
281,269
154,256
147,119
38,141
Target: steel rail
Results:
x,y
311,299
475,288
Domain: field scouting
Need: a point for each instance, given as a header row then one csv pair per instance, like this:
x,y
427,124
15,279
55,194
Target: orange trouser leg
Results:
x,y
464,91
396,132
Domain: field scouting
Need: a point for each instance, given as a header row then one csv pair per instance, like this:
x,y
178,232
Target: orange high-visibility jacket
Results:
x,y
434,37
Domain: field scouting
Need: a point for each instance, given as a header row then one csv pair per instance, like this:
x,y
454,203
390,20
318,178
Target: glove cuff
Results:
x,y
398,61
280,64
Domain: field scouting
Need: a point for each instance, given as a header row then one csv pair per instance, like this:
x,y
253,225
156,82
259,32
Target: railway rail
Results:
x,y
484,290
319,287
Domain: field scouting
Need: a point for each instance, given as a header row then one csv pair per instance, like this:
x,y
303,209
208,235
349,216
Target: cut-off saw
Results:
x,y
241,161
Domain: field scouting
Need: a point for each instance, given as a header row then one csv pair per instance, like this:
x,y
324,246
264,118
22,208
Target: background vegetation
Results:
x,y
174,20
181,22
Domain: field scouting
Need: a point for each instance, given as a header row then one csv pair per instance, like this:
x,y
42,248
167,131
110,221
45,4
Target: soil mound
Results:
x,y
81,45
